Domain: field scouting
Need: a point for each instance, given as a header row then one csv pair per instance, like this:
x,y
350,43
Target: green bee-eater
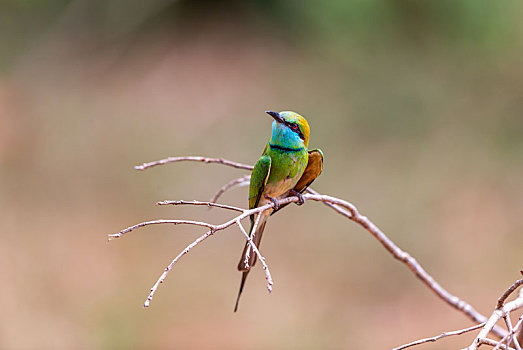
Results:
x,y
285,168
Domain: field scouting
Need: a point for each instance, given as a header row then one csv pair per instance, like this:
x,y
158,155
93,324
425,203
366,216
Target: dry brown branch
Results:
x,y
244,180
442,335
194,159
517,328
238,222
509,291
510,337
487,341
154,222
212,229
502,310
253,233
208,204
173,262
352,213
340,206
260,257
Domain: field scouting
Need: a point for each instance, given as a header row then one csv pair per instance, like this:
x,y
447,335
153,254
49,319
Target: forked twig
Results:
x,y
173,262
488,341
212,229
208,204
517,328
194,159
260,257
154,222
502,310
244,180
509,291
253,234
442,335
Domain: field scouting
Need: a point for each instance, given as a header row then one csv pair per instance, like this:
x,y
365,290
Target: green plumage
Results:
x,y
275,173
285,165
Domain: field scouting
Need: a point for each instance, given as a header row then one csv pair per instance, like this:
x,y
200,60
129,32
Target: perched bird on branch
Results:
x,y
285,169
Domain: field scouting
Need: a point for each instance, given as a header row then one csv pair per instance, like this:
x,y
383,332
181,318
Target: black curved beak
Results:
x,y
276,116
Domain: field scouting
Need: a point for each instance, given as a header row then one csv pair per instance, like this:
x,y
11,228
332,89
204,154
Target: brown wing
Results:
x,y
312,171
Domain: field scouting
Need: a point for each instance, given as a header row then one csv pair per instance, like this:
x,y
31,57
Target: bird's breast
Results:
x,y
286,170
277,188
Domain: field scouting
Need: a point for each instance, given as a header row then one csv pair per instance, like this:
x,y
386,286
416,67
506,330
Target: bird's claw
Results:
x,y
301,200
275,202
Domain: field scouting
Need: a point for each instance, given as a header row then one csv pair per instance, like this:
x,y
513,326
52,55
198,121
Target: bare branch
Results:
x,y
351,212
154,222
340,206
173,262
244,180
260,257
213,229
511,336
208,204
253,234
498,313
509,291
442,335
194,159
487,341
517,328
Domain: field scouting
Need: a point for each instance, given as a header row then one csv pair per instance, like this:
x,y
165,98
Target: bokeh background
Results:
x,y
418,107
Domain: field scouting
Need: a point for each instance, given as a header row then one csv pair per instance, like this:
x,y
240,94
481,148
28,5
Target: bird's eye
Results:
x,y
294,127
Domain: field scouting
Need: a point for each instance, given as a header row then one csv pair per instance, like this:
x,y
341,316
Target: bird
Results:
x,y
286,168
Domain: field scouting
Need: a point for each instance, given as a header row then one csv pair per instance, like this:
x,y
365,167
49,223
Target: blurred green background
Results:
x,y
417,105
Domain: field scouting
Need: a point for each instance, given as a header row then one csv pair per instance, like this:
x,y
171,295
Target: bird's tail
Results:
x,y
242,266
244,277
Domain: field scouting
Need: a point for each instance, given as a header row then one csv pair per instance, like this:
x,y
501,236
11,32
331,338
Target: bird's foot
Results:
x,y
301,200
275,202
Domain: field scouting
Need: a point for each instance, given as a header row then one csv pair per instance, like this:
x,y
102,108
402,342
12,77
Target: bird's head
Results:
x,y
289,129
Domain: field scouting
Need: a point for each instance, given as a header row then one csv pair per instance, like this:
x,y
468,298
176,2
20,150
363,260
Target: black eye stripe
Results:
x,y
297,130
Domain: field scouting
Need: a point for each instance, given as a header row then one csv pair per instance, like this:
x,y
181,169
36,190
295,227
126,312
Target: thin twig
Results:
x,y
487,341
509,338
515,329
154,222
260,257
244,180
442,335
351,212
509,291
171,265
498,313
511,335
208,204
504,339
194,159
213,229
519,335
253,234
518,327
